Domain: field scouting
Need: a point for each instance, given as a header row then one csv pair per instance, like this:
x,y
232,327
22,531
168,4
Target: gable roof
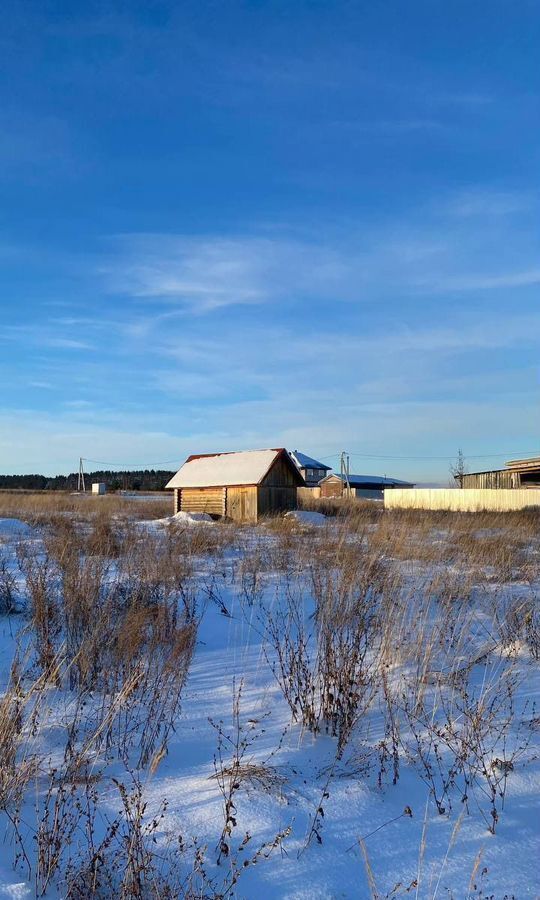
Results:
x,y
229,469
363,480
307,462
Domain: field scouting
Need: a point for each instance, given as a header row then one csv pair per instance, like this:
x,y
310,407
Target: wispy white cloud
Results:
x,y
482,202
479,282
78,404
398,127
365,422
42,336
63,343
330,347
390,391
213,272
201,275
41,385
205,274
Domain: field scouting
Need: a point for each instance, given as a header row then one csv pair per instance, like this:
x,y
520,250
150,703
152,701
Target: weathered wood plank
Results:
x,y
242,504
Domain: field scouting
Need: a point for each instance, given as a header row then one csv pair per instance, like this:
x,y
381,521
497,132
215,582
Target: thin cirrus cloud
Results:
x,y
409,361
468,334
395,388
42,336
478,281
488,203
201,275
393,127
213,272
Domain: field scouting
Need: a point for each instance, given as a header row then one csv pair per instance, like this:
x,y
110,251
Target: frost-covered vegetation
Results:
x,y
296,710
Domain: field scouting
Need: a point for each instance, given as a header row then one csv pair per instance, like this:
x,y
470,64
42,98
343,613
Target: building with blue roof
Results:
x,y
371,487
312,470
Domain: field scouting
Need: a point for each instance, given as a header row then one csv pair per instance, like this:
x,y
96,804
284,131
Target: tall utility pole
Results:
x,y
345,472
81,487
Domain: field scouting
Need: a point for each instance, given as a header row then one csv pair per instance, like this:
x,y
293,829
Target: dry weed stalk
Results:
x,y
8,585
325,662
232,771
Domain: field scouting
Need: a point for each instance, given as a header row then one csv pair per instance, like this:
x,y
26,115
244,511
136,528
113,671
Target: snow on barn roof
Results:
x,y
307,462
226,469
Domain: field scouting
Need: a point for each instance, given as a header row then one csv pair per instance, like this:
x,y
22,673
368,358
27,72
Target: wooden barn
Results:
x,y
496,478
519,473
242,486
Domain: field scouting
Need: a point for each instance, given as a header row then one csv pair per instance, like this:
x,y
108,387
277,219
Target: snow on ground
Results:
x,y
429,855
229,651
305,517
12,887
13,528
187,519
190,518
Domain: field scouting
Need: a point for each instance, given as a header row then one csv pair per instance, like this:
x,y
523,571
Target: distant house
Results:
x,y
519,473
371,487
312,470
242,486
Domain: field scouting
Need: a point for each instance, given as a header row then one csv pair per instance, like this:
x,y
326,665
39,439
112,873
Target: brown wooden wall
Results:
x,y
496,479
332,488
241,505
308,493
272,500
280,475
208,500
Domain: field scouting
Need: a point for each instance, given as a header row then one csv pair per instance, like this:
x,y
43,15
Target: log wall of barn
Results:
x,y
208,500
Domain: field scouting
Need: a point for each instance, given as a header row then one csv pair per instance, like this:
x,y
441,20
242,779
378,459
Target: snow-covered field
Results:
x,y
357,718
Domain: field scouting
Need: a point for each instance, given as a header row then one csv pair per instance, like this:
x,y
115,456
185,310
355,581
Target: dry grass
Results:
x,y
354,510
37,508
394,612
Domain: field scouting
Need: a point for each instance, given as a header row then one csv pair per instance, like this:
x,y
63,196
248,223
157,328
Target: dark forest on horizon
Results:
x,y
134,480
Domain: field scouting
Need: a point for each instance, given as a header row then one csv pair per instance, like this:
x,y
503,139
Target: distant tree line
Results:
x,y
140,480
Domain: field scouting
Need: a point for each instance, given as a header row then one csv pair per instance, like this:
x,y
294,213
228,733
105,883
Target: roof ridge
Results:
x,y
214,469
193,456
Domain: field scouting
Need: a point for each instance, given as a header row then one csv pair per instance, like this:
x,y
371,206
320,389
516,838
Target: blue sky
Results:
x,y
233,225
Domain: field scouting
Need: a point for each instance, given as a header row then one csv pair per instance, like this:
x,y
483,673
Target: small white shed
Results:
x,y
99,487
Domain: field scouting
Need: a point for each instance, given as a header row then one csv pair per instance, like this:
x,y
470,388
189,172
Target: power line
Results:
x,y
452,456
508,454
101,462
356,454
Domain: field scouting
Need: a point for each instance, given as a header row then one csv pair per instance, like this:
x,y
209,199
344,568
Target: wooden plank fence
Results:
x,y
308,493
462,500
